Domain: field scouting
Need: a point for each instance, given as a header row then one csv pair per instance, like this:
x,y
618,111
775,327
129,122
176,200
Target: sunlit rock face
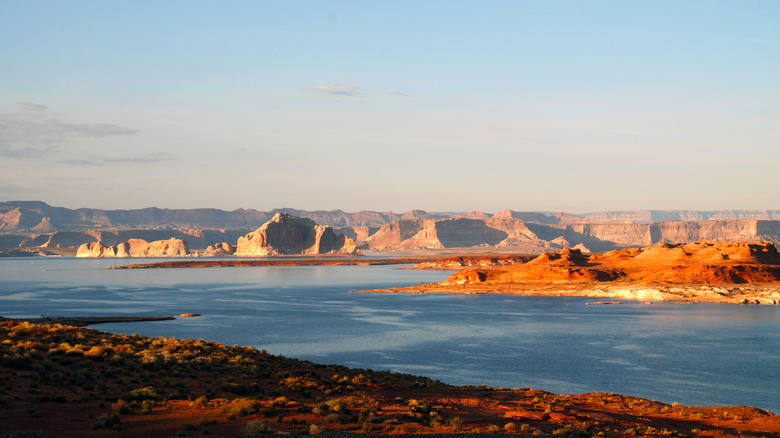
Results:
x,y
136,248
286,234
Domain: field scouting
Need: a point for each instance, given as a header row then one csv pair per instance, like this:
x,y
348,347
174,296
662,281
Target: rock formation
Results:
x,y
692,263
96,249
38,225
286,235
135,248
219,250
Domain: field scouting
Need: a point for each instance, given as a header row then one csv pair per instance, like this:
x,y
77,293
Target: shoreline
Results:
x,y
289,261
83,321
767,294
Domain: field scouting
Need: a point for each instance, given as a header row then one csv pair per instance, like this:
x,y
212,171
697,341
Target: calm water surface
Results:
x,y
703,354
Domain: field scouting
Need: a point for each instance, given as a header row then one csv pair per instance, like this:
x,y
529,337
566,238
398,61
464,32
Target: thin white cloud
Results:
x,y
32,106
397,93
27,135
338,90
150,158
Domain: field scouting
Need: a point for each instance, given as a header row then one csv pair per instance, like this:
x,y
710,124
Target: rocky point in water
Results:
x,y
731,272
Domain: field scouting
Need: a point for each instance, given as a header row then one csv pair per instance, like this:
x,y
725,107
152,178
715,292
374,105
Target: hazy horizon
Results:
x,y
445,106
266,210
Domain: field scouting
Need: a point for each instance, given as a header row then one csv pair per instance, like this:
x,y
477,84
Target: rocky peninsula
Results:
x,y
735,272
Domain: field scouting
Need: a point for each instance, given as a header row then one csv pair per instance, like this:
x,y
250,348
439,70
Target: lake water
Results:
x,y
702,354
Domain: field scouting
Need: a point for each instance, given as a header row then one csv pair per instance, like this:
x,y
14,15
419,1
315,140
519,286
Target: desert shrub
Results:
x,y
314,429
279,402
333,418
140,394
255,427
493,428
456,423
120,407
80,377
360,379
200,402
242,408
16,361
419,406
30,345
98,352
511,427
299,383
106,421
235,388
336,405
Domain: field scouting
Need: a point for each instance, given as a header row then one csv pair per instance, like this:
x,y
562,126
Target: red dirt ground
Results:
x,y
68,381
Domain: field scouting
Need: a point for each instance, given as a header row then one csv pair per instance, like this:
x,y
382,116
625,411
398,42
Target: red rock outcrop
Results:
x,y
698,262
287,235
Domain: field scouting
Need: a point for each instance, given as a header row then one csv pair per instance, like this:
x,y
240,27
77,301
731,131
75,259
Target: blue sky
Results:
x,y
572,106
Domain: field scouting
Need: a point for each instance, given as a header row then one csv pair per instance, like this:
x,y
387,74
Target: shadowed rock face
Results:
x,y
288,235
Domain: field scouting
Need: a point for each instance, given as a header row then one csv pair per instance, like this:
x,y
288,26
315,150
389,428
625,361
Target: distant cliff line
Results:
x,y
26,225
40,217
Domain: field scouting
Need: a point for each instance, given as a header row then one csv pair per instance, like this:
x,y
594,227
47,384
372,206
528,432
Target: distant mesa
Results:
x,y
289,235
37,225
284,234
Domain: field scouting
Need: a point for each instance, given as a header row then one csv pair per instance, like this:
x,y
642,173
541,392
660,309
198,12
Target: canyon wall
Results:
x,y
38,225
39,217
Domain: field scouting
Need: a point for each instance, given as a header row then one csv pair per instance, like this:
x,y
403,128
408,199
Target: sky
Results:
x,y
576,106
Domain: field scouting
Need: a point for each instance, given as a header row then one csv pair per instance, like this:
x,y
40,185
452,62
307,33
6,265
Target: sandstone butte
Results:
x,y
282,235
135,248
285,235
64,381
732,272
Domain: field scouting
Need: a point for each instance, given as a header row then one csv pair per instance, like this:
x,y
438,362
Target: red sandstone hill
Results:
x,y
699,262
